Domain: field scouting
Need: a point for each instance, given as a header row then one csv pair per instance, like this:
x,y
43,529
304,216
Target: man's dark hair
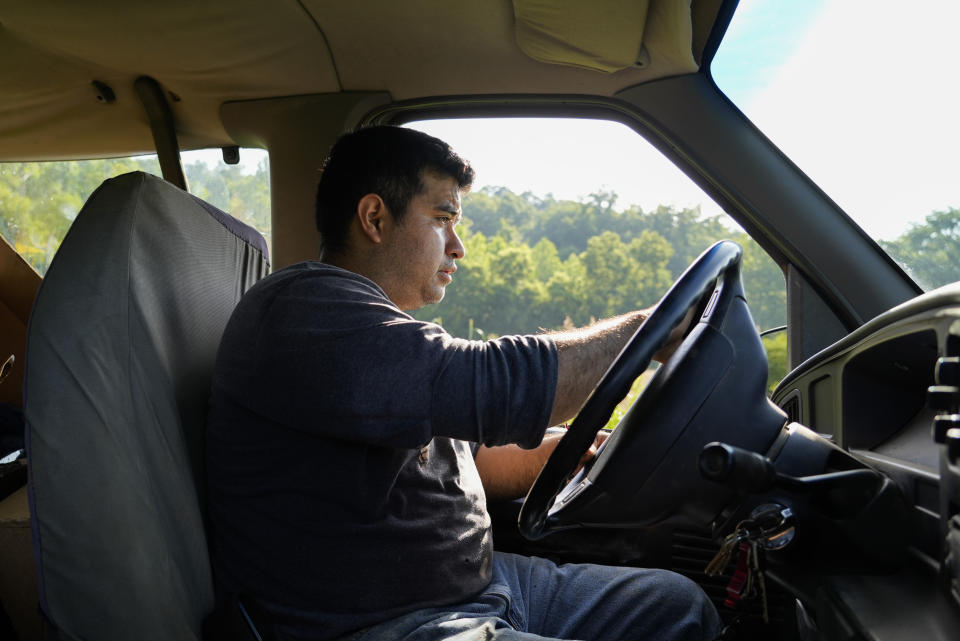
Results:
x,y
383,160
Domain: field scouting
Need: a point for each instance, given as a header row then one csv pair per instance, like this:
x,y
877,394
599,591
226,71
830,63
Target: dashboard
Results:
x,y
889,394
869,391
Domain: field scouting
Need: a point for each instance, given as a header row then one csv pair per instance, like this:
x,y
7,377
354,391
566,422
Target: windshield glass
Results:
x,y
861,95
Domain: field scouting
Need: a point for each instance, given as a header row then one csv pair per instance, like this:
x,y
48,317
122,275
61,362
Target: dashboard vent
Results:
x,y
691,551
791,405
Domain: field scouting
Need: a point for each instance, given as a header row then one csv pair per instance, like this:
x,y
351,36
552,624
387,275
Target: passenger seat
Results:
x,y
120,352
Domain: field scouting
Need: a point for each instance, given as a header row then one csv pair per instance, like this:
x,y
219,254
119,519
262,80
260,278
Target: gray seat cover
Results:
x,y
120,352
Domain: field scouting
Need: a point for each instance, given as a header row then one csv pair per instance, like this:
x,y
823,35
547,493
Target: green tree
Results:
x,y
927,250
763,283
491,208
568,225
246,196
531,262
623,276
651,254
39,200
541,262
608,265
546,260
686,231
776,346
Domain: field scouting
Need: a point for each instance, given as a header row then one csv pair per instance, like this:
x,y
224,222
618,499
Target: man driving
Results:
x,y
352,449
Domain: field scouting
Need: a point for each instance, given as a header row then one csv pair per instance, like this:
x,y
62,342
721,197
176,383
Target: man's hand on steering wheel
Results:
x,y
676,337
697,291
591,452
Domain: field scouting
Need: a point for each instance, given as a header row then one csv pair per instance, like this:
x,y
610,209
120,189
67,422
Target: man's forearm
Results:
x,y
507,471
583,355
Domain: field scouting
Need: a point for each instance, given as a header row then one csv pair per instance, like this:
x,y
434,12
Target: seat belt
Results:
x,y
164,130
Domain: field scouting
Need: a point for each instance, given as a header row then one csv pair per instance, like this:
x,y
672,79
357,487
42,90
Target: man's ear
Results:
x,y
372,213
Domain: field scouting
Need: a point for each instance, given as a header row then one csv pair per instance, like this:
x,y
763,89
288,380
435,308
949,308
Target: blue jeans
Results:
x,y
532,599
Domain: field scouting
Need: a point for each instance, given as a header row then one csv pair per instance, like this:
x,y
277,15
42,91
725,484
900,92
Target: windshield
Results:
x,y
861,95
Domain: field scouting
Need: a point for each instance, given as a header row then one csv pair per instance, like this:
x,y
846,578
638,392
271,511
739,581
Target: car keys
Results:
x,y
757,571
768,527
722,558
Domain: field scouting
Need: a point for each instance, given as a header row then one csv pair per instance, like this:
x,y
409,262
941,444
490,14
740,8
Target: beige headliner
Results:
x,y
207,53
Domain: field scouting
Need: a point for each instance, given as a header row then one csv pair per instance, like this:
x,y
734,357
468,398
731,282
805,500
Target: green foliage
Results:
x,y
624,406
246,196
545,263
928,250
532,263
39,200
776,346
763,284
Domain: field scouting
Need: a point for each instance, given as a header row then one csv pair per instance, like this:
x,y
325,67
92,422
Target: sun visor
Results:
x,y
605,35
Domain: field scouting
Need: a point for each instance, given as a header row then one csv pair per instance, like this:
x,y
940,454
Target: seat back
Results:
x,y
120,353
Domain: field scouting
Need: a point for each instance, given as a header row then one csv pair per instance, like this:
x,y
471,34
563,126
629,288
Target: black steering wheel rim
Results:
x,y
719,263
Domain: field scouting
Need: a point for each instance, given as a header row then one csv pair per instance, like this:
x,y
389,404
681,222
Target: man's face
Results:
x,y
420,251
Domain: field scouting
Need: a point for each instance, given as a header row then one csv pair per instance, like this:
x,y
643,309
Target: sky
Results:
x,y
569,159
834,83
874,125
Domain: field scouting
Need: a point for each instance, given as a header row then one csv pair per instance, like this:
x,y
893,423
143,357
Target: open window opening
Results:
x,y
573,220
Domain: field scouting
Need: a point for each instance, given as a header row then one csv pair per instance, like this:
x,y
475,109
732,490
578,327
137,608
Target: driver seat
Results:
x,y
120,353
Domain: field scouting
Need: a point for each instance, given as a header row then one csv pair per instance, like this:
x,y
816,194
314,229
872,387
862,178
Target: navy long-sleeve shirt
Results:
x,y
341,481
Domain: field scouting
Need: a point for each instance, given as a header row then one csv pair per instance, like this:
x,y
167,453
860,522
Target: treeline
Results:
x,y
544,263
532,262
39,200
928,250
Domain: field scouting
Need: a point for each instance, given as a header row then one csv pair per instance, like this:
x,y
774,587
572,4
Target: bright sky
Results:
x,y
869,124
875,127
570,160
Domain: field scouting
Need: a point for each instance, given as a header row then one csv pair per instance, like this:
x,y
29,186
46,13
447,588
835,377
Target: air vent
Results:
x,y
791,405
690,552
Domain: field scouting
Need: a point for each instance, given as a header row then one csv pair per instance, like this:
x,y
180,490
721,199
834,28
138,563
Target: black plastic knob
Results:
x,y
942,423
737,468
947,371
953,444
944,398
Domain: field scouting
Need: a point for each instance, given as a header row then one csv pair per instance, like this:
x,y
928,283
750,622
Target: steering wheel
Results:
x,y
709,284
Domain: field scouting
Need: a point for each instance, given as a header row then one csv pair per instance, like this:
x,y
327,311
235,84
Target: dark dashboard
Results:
x,y
889,394
874,495
869,391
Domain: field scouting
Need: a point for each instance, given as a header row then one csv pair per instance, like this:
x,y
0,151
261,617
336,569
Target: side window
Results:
x,y
39,200
575,220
